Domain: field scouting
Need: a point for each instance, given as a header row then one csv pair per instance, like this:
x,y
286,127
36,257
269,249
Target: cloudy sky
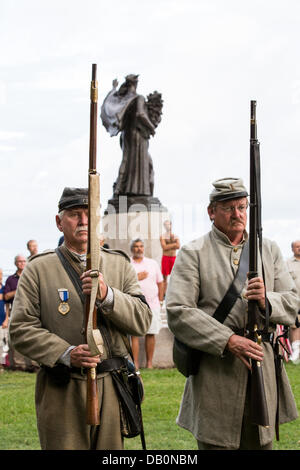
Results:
x,y
208,58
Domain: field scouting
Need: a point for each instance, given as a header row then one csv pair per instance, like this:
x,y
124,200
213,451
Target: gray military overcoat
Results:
x,y
213,401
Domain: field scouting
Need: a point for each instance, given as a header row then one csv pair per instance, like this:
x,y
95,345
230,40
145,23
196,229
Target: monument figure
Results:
x,y
135,119
126,112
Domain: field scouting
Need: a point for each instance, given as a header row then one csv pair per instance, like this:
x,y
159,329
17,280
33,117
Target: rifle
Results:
x,y
259,409
93,336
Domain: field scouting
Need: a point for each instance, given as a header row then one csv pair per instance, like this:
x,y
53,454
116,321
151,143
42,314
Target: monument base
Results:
x,y
125,203
141,217
163,352
120,228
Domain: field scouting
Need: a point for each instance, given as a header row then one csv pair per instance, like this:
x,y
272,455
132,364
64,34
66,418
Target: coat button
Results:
x,y
235,261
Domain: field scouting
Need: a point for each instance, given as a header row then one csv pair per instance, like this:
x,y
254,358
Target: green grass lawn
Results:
x,y
163,390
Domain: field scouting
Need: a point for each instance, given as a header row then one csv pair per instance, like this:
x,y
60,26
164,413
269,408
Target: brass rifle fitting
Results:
x,y
258,339
94,273
94,91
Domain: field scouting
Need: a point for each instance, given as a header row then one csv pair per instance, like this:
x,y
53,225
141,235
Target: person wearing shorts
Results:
x,y
151,282
170,244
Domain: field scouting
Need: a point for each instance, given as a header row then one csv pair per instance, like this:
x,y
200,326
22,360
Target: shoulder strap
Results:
x,y
236,287
74,277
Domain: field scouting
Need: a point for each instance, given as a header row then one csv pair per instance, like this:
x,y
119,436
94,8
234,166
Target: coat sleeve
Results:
x,y
190,324
283,294
26,331
129,313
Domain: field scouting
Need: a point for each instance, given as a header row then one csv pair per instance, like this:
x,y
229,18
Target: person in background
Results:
x,y
170,244
61,240
11,283
2,303
32,247
3,331
151,282
294,269
103,242
16,360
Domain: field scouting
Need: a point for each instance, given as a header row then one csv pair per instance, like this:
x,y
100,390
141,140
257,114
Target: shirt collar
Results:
x,y
81,258
221,236
137,262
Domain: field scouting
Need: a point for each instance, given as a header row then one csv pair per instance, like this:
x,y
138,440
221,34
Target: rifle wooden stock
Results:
x,y
259,409
92,402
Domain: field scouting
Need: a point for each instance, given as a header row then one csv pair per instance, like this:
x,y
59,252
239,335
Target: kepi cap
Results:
x,y
228,188
72,197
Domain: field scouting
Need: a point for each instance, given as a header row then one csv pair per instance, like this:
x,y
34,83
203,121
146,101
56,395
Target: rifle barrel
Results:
x,y
93,120
253,126
253,199
92,402
259,409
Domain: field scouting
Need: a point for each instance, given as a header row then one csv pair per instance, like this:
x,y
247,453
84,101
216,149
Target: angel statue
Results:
x,y
135,118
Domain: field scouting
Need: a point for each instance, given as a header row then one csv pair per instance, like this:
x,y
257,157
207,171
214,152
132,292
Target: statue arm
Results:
x,y
142,115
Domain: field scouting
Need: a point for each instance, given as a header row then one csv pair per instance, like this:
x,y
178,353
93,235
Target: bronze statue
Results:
x,y
127,112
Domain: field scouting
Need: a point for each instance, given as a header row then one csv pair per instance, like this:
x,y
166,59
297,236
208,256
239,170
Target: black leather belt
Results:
x,y
107,365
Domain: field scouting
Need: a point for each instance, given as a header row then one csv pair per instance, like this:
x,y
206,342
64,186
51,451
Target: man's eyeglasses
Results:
x,y
230,209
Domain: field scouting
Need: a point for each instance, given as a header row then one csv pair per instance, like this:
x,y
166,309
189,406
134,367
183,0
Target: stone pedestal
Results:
x,y
141,217
126,222
163,353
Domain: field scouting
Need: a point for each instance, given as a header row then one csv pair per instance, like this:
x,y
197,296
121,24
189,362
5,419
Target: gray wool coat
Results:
x,y
213,401
39,331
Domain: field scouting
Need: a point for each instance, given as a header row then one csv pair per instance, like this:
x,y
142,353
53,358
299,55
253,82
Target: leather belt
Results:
x,y
266,337
107,365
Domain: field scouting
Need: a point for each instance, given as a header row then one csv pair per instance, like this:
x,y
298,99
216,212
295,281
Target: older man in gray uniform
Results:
x,y
215,403
47,325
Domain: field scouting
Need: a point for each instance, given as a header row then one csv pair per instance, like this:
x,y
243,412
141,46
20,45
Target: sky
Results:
x,y
208,59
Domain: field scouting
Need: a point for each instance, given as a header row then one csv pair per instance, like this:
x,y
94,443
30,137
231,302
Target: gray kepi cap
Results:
x,y
228,188
72,197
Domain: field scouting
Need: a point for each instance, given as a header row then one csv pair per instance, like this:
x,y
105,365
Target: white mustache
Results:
x,y
81,228
236,219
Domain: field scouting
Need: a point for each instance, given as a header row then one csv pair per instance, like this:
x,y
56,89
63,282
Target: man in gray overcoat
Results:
x,y
215,403
48,326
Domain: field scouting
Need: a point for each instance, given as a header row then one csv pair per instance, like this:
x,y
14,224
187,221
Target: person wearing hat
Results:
x,y
215,403
48,326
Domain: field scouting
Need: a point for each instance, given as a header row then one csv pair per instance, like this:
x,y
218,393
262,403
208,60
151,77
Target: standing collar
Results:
x,y
222,237
76,256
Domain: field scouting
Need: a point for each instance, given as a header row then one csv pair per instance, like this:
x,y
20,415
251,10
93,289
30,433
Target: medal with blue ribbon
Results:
x,y
63,307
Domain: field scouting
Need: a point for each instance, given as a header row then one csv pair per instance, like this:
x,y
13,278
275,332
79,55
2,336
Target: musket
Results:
x,y
93,336
259,409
